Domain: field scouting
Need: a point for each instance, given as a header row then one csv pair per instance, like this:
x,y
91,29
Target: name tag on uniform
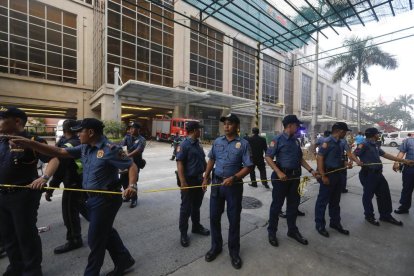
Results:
x,y
100,154
238,145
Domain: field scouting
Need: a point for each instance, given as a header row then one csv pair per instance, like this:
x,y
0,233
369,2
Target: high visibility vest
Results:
x,y
77,161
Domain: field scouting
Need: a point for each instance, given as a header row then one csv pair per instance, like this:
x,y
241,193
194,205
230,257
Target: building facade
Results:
x,y
58,59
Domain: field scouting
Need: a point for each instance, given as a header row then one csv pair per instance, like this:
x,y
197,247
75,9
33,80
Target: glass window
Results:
x,y
18,52
37,56
319,96
270,80
146,50
69,41
18,27
37,9
54,37
54,59
19,5
244,71
54,15
306,93
204,51
69,20
329,100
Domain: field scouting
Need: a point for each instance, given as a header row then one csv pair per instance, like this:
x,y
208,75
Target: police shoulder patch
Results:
x,y
324,145
272,144
178,148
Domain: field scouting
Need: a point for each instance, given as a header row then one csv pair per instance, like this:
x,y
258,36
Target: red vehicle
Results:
x,y
165,129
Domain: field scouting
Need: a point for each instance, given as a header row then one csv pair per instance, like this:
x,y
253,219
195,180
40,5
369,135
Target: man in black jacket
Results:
x,y
259,147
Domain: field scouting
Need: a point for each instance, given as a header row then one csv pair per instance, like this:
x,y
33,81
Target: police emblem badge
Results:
x,y
238,145
100,154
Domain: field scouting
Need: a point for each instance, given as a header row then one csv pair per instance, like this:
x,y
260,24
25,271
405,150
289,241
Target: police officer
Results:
x,y
230,156
289,159
330,163
259,146
407,150
135,145
69,172
18,206
347,164
101,161
177,140
191,165
373,180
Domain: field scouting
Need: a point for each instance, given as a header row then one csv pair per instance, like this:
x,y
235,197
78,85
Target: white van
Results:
x,y
394,139
59,130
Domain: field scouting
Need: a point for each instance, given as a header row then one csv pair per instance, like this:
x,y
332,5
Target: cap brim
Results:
x,y
76,128
222,119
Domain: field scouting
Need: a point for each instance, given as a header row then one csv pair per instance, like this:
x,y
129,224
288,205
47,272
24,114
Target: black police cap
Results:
x,y
68,124
88,123
291,119
255,130
192,125
231,118
371,131
135,125
340,126
11,111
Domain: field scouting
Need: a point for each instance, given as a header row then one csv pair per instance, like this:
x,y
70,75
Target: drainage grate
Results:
x,y
249,202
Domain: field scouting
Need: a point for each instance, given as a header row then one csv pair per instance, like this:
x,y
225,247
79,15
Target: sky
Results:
x,y
387,83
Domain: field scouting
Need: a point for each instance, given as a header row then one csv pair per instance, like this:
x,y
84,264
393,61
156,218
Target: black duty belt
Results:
x,y
95,194
372,170
288,171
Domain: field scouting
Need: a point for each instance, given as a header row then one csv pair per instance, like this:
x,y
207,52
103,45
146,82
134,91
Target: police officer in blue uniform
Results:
x,y
191,164
135,145
289,159
177,140
18,206
73,203
101,161
373,180
330,162
407,150
230,156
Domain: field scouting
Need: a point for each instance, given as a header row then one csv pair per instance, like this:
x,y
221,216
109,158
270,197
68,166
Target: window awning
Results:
x,y
283,25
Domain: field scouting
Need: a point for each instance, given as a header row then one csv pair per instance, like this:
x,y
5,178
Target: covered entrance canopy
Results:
x,y
284,25
44,111
160,95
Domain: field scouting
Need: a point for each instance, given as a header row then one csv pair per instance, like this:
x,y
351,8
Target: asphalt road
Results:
x,y
150,232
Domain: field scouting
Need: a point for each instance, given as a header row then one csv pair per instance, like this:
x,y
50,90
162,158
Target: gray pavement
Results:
x,y
150,232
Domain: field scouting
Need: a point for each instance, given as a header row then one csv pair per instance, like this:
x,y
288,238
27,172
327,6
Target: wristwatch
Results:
x,y
234,178
311,170
133,186
46,177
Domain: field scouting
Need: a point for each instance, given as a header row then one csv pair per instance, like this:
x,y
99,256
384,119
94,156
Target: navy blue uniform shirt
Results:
x,y
407,147
230,156
191,153
132,143
100,164
19,168
286,150
369,152
332,150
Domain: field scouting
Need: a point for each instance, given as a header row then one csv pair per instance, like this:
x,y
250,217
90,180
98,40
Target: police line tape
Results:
x,y
302,184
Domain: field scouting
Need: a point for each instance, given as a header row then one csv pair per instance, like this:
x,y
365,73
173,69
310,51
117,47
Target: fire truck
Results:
x,y
165,129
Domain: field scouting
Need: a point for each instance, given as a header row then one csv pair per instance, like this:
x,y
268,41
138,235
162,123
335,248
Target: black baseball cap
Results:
x,y
291,119
340,126
192,125
371,131
231,118
68,124
255,130
88,123
11,111
135,125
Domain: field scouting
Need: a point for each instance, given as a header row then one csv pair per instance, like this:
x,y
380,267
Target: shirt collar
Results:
x,y
370,141
284,134
334,139
236,138
193,141
101,142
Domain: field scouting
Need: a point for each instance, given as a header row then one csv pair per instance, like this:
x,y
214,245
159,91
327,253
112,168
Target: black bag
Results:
x,y
141,163
178,179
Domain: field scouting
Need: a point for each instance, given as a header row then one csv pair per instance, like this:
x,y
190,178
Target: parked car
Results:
x,y
394,139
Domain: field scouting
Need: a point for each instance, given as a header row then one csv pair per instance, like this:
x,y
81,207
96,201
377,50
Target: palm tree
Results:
x,y
360,55
405,101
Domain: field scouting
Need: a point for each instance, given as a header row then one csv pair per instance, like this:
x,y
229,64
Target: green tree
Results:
x,y
361,54
113,129
389,114
405,101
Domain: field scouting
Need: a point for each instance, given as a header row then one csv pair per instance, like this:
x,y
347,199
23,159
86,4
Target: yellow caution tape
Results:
x,y
302,185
